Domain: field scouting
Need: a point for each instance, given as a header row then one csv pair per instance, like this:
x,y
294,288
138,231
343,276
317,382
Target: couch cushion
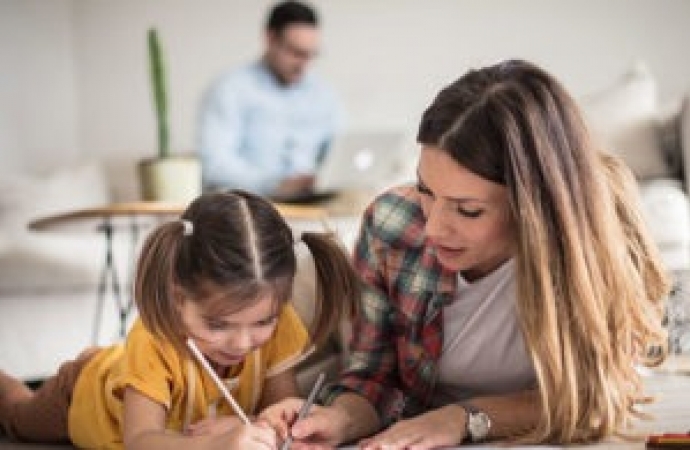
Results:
x,y
685,140
49,260
669,131
623,117
667,213
304,297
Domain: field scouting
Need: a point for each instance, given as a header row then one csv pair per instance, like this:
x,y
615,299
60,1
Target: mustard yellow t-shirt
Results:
x,y
178,382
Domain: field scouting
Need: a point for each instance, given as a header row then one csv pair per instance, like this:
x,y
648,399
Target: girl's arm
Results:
x,y
144,428
143,420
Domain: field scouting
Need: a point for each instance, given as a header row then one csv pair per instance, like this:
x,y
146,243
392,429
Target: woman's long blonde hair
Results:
x,y
590,281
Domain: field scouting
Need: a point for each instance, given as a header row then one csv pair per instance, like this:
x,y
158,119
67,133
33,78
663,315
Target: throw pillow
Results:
x,y
25,197
623,118
669,131
667,213
44,260
685,141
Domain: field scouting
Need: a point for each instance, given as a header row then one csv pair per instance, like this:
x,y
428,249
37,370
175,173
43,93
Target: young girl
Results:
x,y
222,276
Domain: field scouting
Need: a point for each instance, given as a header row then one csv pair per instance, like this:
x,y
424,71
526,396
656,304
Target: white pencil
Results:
x,y
219,383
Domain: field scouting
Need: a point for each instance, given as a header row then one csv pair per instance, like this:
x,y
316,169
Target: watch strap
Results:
x,y
472,412
469,408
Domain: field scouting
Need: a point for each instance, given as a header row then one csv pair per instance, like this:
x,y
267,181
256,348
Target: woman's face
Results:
x,y
467,217
226,339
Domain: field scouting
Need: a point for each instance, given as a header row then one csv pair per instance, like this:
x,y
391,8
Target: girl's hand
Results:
x,y
282,415
257,436
442,427
213,425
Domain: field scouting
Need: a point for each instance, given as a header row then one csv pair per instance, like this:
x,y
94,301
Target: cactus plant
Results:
x,y
158,84
172,178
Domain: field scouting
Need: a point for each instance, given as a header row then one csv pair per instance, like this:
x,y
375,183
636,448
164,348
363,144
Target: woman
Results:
x,y
509,295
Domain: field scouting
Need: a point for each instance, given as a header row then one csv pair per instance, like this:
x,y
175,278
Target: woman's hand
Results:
x,y
442,427
280,416
319,430
322,429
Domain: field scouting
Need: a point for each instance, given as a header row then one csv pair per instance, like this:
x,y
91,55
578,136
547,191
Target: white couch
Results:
x,y
655,143
48,280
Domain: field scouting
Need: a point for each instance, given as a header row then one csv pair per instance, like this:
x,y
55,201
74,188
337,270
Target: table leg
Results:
x,y
127,305
108,274
122,292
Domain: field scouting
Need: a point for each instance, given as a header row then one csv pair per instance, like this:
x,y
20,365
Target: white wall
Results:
x,y
38,111
386,58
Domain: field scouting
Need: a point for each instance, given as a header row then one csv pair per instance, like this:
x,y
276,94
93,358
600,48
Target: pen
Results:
x,y
214,377
306,406
669,440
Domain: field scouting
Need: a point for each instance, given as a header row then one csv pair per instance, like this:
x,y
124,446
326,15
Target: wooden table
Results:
x,y
152,209
134,217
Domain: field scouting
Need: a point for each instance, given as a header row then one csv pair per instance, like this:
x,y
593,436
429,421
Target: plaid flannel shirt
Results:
x,y
398,336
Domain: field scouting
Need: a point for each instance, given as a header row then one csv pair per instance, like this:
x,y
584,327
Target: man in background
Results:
x,y
265,127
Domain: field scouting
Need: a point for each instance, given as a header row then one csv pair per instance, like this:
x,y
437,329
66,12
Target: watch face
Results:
x,y
478,425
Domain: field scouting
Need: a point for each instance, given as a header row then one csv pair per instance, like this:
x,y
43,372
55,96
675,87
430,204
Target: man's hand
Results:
x,y
294,185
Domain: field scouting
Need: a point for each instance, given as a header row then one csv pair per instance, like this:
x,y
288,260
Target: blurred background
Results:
x,y
74,81
76,116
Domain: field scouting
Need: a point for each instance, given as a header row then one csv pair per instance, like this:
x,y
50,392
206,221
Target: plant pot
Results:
x,y
172,179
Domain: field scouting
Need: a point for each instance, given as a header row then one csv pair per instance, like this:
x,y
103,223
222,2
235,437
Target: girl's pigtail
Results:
x,y
154,281
338,287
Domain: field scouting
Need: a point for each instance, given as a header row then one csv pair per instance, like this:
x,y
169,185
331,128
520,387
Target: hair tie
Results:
x,y
187,227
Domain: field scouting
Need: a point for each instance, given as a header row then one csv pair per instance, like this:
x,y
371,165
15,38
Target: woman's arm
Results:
x,y
511,416
359,419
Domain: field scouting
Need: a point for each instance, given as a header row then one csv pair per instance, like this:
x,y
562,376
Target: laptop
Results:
x,y
358,160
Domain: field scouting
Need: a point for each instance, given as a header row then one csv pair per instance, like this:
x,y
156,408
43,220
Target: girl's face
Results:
x,y
467,217
226,340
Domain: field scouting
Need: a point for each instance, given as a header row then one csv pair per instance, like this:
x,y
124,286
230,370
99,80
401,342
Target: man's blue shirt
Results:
x,y
254,131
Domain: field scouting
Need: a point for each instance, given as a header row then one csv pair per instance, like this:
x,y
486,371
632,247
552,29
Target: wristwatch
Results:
x,y
478,423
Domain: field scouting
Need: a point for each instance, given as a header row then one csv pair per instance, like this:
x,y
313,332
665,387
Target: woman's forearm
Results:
x,y
511,415
359,418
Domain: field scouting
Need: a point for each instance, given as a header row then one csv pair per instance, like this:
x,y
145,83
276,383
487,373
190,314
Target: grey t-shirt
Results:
x,y
483,349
